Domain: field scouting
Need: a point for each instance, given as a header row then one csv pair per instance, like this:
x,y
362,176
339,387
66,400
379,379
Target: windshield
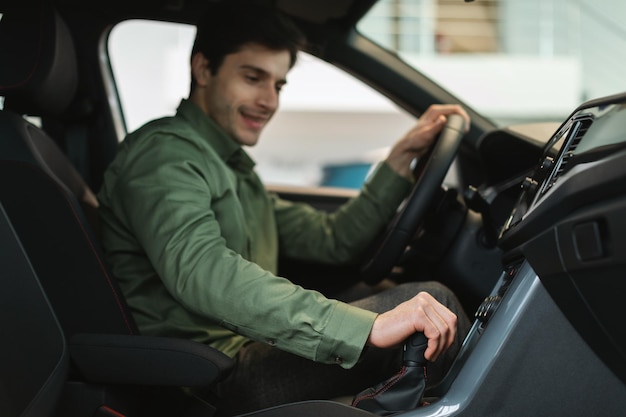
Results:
x,y
512,61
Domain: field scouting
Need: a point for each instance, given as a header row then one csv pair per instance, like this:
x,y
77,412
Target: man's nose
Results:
x,y
268,97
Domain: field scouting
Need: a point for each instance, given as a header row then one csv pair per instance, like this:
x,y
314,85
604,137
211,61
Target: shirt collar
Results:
x,y
226,147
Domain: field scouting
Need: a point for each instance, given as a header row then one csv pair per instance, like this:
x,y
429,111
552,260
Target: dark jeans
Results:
x,y
265,376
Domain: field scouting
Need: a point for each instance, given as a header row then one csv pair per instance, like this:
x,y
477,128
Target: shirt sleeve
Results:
x,y
313,235
165,198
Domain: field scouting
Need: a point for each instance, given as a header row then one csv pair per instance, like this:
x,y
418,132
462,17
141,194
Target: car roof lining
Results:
x,y
315,12
325,10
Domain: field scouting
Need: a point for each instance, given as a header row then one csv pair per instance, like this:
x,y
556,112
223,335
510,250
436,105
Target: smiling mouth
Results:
x,y
255,121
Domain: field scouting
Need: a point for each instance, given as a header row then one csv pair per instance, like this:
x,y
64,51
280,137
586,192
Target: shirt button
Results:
x,y
338,360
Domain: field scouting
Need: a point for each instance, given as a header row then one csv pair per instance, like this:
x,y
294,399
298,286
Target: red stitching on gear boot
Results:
x,y
382,389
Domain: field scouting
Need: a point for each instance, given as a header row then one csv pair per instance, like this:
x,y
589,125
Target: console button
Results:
x,y
487,308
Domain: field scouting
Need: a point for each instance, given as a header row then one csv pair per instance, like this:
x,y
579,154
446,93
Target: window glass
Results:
x,y
511,60
150,62
329,130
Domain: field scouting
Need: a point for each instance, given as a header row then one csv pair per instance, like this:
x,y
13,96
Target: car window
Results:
x,y
329,130
513,61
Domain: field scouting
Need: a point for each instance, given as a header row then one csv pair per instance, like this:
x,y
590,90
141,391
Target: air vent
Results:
x,y
578,130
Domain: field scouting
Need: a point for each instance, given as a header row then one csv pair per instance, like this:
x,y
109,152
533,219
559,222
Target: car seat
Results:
x,y
33,354
45,199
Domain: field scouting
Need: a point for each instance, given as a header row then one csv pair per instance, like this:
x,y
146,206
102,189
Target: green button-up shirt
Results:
x,y
193,237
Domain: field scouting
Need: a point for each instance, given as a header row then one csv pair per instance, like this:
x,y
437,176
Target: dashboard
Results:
x,y
574,161
550,337
570,225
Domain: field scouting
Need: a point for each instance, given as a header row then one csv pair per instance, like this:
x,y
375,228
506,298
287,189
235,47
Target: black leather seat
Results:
x,y
43,194
45,200
33,354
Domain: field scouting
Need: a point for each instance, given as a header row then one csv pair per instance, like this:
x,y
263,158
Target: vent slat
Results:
x,y
567,153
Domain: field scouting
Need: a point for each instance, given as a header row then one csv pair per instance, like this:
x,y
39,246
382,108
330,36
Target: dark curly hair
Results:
x,y
227,25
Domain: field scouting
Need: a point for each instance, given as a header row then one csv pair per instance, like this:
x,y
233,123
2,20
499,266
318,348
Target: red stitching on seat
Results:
x,y
102,267
111,411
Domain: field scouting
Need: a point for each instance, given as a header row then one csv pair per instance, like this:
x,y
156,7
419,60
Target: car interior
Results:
x,y
531,240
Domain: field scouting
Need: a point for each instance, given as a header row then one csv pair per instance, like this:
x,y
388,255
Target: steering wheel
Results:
x,y
430,172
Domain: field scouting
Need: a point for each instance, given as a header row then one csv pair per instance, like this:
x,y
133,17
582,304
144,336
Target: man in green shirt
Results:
x,y
194,237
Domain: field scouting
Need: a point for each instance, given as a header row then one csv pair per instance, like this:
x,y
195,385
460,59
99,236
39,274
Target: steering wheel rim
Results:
x,y
430,173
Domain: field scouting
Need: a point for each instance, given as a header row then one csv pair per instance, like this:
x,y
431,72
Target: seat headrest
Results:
x,y
38,75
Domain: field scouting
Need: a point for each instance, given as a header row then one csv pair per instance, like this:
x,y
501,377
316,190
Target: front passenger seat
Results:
x,y
41,191
45,200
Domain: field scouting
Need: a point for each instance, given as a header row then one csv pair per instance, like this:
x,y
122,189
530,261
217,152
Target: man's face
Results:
x,y
243,95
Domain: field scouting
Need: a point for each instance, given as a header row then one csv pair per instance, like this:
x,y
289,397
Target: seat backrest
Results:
x,y
40,195
38,77
33,353
39,188
63,251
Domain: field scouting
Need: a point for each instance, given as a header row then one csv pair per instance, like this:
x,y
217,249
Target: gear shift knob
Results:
x,y
403,391
414,348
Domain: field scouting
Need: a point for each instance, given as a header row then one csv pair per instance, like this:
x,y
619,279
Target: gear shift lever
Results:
x,y
414,348
403,391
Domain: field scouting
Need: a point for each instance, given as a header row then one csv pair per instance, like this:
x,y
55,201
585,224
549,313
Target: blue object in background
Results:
x,y
348,175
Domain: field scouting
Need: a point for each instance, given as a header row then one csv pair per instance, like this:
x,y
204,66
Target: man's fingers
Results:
x,y
422,313
439,327
437,110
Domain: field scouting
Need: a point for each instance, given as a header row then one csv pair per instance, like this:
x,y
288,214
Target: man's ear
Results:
x,y
200,70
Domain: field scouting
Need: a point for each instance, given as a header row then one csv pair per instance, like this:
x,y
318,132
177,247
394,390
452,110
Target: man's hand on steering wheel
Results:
x,y
435,139
419,139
